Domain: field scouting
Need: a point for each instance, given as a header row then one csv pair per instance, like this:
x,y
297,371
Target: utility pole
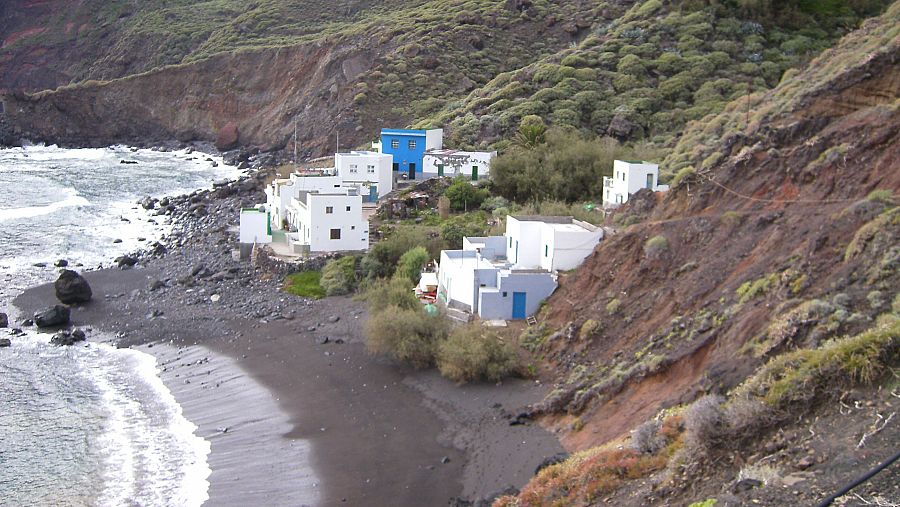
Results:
x,y
295,141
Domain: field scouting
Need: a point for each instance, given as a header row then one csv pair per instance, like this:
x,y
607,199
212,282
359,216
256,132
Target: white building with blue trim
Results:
x,y
508,277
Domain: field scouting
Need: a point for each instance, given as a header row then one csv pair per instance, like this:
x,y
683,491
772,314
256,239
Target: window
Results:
x,y
510,241
546,250
353,168
335,234
329,210
623,175
650,181
504,293
348,208
370,169
395,144
352,227
412,144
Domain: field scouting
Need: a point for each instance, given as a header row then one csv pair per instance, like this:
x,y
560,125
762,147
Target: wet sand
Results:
x,y
310,423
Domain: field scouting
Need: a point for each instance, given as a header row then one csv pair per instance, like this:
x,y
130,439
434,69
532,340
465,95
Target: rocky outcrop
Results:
x,y
57,315
228,137
72,288
67,338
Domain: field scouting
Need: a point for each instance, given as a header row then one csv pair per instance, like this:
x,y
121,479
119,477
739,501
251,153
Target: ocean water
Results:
x,y
90,424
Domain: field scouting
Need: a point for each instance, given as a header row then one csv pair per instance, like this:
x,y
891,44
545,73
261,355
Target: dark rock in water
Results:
x,y
16,331
56,315
215,164
551,460
27,322
148,202
40,264
66,338
61,263
72,288
127,161
125,260
164,202
5,342
4,320
117,240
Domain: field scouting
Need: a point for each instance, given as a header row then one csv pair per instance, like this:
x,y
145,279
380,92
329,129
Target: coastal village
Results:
x,y
497,278
518,253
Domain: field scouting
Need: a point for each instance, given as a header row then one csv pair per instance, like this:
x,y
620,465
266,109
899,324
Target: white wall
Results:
x,y
568,248
434,139
314,223
254,227
458,163
527,235
628,178
364,162
456,278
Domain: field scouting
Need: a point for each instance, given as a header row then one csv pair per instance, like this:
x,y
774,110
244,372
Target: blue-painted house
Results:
x,y
408,147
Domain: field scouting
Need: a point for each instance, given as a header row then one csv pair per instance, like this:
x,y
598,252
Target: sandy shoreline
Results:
x,y
308,422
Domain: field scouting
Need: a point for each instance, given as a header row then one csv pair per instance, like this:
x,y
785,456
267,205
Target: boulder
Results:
x,y
67,338
72,288
125,261
5,342
61,263
57,315
4,320
227,137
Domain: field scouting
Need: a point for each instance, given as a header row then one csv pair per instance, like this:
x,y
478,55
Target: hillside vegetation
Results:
x,y
735,343
630,70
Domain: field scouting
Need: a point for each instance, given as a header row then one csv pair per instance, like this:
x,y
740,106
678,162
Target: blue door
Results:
x,y
518,305
373,193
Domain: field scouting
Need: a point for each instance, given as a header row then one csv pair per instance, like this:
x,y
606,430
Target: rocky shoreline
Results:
x,y
379,433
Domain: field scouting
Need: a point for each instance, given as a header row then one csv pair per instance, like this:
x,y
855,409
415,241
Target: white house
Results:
x,y
327,222
282,191
255,226
629,177
369,171
509,276
471,164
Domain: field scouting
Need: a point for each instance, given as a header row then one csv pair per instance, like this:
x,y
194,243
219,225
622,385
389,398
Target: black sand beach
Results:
x,y
292,420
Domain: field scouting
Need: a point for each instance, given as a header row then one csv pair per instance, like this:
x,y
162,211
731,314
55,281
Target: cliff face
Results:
x,y
770,199
260,92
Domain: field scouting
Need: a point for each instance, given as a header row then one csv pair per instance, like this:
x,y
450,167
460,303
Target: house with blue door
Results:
x,y
408,148
508,277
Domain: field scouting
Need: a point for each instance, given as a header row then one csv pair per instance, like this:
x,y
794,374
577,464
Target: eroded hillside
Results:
x,y
779,236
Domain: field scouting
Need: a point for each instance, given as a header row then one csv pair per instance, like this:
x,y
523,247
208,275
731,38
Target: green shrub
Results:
x,y
382,259
464,196
752,289
407,335
882,195
656,245
305,284
411,264
474,353
339,276
613,306
589,329
456,228
685,175
397,292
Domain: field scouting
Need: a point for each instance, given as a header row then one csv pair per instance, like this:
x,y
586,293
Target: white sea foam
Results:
x,y
153,456
71,199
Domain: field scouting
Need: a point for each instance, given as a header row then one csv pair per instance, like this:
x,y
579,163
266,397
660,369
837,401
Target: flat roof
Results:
x,y
544,218
403,132
567,227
